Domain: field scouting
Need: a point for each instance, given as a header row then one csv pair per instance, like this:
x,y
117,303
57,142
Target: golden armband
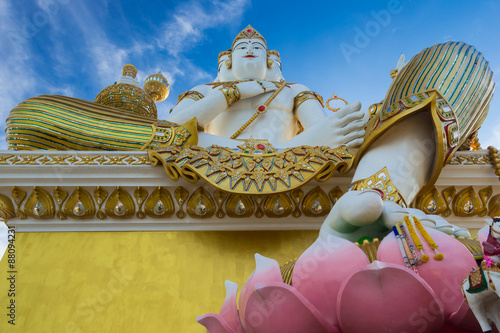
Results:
x,y
190,94
304,96
231,93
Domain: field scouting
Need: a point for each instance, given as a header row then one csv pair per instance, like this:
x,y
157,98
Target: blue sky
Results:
x,y
76,48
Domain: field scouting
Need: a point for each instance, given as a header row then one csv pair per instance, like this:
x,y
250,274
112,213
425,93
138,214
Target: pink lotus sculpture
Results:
x,y
336,289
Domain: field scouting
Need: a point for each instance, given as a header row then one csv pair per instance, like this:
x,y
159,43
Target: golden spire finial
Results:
x,y
156,85
130,70
249,33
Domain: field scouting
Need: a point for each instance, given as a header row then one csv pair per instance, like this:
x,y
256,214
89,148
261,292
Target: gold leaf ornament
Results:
x,y
200,204
80,205
159,204
40,204
120,204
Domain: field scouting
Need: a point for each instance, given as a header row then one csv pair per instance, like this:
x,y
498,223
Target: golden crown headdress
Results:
x,y
249,33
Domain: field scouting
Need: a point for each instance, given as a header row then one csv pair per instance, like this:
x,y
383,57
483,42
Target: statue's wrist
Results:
x,y
231,93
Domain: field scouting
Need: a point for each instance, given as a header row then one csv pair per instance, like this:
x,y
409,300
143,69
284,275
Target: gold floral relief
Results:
x,y
448,195
120,204
140,195
19,195
100,196
297,196
40,204
316,203
238,205
59,196
220,197
430,202
494,206
200,204
7,210
335,194
278,205
160,203
181,195
80,205
467,203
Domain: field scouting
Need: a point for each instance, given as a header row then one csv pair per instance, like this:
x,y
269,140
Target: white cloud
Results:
x,y
191,19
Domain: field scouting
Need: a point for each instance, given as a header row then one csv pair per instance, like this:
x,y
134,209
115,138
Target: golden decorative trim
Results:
x,y
80,205
37,159
370,248
7,210
192,94
465,203
304,96
231,94
120,204
287,271
163,203
495,160
463,159
252,173
380,181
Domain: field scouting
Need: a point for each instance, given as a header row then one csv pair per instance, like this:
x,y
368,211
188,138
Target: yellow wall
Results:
x,y
132,281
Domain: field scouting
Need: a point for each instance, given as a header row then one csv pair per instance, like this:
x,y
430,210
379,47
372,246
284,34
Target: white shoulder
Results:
x,y
298,88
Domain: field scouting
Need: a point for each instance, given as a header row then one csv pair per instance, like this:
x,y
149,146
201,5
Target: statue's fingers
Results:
x,y
269,86
348,109
354,119
356,143
354,135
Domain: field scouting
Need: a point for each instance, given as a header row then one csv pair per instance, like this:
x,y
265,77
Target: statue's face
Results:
x,y
249,60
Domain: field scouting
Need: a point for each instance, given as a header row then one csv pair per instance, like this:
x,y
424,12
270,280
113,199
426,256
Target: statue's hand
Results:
x,y
346,126
254,88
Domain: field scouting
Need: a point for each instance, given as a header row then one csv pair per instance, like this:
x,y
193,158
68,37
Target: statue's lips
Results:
x,y
250,56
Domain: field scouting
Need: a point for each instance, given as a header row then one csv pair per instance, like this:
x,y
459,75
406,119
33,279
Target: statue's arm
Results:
x,y
209,102
199,102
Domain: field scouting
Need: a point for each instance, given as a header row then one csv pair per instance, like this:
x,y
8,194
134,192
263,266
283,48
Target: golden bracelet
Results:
x,y
304,96
231,93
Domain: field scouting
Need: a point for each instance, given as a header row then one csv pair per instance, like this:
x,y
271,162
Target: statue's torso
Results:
x,y
278,124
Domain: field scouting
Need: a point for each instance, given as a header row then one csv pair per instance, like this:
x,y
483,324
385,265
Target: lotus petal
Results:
x,y
322,268
383,297
443,276
214,323
229,310
278,307
266,270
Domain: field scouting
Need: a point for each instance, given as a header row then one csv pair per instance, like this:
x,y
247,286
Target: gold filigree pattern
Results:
x,y
464,159
80,205
467,203
190,94
236,172
37,159
160,203
200,204
40,204
7,210
140,195
316,203
120,204
430,202
239,206
495,160
209,202
380,181
304,96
